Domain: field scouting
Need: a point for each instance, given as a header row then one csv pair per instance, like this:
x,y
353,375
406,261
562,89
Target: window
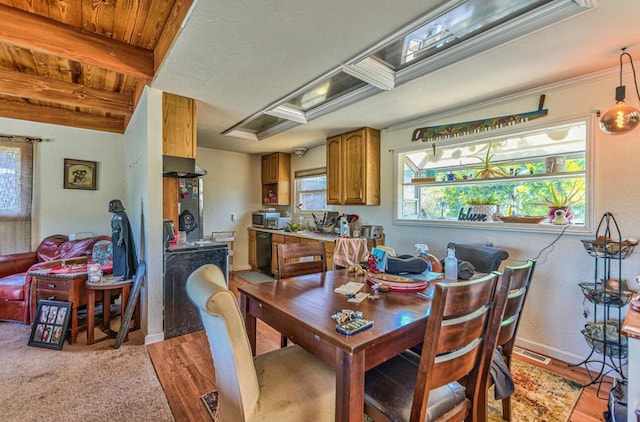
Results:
x,y
311,190
15,195
522,174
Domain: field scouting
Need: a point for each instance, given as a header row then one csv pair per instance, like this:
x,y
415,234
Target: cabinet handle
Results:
x,y
53,286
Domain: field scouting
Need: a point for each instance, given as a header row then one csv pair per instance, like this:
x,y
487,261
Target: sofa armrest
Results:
x,y
16,263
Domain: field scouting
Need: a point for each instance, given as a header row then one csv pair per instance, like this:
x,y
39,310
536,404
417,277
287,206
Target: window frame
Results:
x,y
590,180
302,174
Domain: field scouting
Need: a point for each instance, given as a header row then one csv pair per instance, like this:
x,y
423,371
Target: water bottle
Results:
x,y
451,265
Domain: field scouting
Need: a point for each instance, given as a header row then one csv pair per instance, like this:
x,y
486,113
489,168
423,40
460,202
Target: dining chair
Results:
x,y
519,279
287,384
443,383
299,259
483,258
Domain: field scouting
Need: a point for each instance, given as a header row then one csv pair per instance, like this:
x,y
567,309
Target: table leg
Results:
x,y
125,299
249,322
91,310
349,386
106,310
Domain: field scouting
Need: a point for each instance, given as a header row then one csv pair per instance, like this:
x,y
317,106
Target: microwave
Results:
x,y
261,218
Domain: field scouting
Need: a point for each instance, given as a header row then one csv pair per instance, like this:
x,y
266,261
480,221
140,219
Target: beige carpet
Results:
x,y
78,383
540,395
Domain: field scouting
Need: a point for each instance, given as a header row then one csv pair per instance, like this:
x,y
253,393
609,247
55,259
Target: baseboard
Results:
x,y
153,338
238,268
549,351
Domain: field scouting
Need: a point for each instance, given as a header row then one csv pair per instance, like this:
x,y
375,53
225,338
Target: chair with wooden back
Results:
x,y
461,334
301,258
519,279
296,259
287,384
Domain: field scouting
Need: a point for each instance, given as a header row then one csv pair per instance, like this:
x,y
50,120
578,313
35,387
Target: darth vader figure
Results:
x,y
125,261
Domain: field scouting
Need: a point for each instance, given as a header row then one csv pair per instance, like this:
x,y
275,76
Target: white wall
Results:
x,y
553,315
143,174
62,211
230,188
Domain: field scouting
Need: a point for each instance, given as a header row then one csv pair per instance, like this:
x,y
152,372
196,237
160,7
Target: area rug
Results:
x,y
540,396
254,277
78,383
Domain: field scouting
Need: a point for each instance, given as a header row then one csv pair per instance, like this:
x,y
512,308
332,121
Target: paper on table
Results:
x,y
350,288
358,298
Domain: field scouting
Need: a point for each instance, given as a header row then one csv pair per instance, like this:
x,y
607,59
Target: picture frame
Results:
x,y
80,174
49,328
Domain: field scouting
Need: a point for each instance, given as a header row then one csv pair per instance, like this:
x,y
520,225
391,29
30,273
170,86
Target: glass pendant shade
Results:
x,y
620,119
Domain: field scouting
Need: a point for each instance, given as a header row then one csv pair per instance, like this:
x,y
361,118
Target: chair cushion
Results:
x,y
294,386
389,388
12,287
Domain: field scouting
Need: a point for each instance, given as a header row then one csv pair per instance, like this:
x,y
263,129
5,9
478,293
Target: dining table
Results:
x,y
301,308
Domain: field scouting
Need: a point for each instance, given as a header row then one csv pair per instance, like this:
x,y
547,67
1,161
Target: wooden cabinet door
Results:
x,y
334,173
253,257
273,168
353,177
178,126
265,169
276,239
170,197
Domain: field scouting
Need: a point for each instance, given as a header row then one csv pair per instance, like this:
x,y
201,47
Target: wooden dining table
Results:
x,y
301,309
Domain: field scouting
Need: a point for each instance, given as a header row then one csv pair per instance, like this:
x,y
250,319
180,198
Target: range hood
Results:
x,y
180,167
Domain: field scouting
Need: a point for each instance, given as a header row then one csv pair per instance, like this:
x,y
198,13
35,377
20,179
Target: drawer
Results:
x,y
294,239
60,284
42,294
277,238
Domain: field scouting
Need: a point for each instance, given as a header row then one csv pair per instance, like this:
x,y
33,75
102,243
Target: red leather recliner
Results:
x,y
15,285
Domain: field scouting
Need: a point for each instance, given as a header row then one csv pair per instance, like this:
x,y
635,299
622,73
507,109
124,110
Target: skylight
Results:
x,y
452,32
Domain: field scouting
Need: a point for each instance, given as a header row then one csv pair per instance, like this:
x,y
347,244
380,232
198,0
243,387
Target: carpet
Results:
x,y
540,396
254,277
78,383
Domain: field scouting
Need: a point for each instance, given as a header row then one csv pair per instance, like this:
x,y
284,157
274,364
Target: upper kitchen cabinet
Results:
x,y
178,126
276,179
353,168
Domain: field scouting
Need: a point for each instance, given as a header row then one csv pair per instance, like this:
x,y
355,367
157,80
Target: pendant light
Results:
x,y
622,118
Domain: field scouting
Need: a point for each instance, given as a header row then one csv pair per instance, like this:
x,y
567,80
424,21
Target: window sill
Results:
x,y
499,226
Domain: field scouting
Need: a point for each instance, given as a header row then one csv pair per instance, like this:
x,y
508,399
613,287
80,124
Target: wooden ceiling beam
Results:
x,y
172,28
45,35
17,84
59,116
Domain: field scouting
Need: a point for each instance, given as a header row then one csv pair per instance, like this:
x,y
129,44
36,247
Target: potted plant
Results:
x,y
480,208
559,198
486,169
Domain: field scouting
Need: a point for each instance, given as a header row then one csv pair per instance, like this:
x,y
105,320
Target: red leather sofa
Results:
x,y
15,284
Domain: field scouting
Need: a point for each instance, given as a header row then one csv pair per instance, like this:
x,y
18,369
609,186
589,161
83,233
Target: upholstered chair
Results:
x,y
483,258
519,279
459,340
287,384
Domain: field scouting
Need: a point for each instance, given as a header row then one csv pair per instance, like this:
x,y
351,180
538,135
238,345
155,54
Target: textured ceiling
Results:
x,y
237,57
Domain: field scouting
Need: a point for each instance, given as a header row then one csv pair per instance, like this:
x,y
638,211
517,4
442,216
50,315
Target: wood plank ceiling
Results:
x,y
82,63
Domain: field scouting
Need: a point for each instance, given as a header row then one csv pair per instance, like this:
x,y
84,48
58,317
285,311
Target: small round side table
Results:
x,y
107,285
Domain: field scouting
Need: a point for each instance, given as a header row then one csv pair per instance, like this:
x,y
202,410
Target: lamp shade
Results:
x,y
620,119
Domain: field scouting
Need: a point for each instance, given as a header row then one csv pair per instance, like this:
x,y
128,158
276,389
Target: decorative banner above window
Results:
x,y
452,130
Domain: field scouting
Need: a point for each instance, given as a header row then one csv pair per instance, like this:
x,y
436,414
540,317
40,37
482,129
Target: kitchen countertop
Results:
x,y
326,237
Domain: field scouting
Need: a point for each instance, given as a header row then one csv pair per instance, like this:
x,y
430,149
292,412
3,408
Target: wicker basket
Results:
x,y
605,338
615,250
598,294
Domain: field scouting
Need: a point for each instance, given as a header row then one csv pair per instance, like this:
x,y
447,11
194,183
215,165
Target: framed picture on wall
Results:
x,y
80,174
50,325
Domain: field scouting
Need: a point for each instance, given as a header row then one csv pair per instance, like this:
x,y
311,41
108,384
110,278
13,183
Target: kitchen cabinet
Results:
x,y
353,168
253,251
276,239
276,179
178,140
178,126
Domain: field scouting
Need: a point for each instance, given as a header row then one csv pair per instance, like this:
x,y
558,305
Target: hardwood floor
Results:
x,y
185,370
